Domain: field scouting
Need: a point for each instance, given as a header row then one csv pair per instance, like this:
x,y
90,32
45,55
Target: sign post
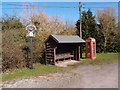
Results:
x,y
31,28
31,54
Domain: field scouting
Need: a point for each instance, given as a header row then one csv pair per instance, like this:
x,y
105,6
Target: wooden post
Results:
x,y
74,54
45,54
78,53
31,53
54,55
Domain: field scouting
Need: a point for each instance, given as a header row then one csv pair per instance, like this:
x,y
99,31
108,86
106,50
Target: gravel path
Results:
x,y
83,76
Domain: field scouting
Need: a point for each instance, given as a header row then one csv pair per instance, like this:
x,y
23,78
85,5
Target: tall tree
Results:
x,y
88,24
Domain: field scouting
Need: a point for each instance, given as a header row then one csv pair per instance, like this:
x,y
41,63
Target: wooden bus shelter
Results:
x,y
62,47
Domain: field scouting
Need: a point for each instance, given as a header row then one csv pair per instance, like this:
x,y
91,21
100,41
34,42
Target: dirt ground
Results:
x,y
83,76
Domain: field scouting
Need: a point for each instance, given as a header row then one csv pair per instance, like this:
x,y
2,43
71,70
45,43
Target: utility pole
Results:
x,y
80,13
80,32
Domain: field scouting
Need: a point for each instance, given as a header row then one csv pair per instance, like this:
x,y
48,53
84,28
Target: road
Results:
x,y
83,76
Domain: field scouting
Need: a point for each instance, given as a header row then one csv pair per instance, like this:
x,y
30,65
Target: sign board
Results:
x,y
30,34
31,30
30,27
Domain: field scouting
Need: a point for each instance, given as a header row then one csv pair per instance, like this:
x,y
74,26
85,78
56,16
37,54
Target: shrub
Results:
x,y
13,57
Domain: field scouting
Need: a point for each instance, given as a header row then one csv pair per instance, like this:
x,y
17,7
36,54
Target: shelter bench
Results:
x,y
64,56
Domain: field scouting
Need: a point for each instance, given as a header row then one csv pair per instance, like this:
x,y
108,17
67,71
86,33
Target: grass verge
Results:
x,y
25,72
46,69
102,58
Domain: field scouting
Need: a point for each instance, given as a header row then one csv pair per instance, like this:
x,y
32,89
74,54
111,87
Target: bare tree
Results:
x,y
107,25
46,25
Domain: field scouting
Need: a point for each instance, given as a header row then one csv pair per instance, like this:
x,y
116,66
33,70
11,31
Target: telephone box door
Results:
x,y
90,48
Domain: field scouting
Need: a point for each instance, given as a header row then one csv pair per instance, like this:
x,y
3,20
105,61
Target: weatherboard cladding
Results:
x,y
68,39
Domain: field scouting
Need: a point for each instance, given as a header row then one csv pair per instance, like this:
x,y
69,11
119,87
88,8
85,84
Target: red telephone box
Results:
x,y
90,48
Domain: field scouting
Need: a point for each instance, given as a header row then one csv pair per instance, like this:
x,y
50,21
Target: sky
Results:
x,y
60,0
71,14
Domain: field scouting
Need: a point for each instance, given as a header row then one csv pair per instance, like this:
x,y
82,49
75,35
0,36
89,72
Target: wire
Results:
x,y
95,3
13,8
44,6
94,7
52,7
16,8
47,6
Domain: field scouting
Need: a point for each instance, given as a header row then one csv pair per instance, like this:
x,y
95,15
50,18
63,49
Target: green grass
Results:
x,y
46,69
102,58
25,72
